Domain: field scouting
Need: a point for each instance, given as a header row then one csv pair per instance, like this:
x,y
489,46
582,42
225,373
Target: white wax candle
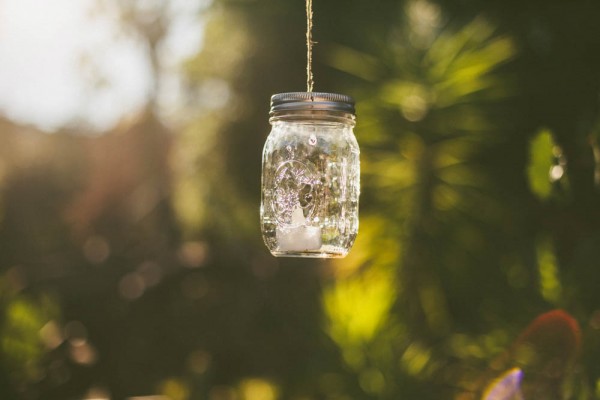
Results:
x,y
299,238
302,238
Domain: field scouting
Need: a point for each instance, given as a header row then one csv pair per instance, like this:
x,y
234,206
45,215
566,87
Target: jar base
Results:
x,y
323,252
303,254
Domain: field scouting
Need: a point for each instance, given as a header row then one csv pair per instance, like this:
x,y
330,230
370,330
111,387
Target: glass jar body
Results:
x,y
310,185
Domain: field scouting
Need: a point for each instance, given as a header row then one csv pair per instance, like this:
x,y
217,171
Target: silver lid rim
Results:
x,y
314,101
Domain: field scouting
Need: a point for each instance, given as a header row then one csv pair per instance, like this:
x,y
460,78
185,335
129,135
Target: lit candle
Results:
x,y
299,237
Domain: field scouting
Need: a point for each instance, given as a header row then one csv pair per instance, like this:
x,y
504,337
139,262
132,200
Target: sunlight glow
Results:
x,y
41,47
64,62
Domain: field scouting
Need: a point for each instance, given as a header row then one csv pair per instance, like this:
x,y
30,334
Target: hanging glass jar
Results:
x,y
310,176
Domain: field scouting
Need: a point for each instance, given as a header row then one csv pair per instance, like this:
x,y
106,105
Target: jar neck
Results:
x,y
313,116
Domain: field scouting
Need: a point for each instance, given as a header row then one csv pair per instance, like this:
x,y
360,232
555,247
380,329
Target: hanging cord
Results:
x,y
309,45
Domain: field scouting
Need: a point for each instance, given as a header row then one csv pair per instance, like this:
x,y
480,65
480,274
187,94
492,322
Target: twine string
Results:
x,y
309,45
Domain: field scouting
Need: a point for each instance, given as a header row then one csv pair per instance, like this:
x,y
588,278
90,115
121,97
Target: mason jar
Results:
x,y
310,176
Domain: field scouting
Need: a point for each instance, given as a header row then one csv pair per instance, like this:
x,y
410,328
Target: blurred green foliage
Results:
x,y
131,263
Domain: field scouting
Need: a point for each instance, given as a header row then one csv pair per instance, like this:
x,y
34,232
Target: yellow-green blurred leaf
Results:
x,y
540,162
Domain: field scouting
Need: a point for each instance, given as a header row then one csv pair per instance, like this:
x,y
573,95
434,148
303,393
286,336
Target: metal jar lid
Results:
x,y
311,101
